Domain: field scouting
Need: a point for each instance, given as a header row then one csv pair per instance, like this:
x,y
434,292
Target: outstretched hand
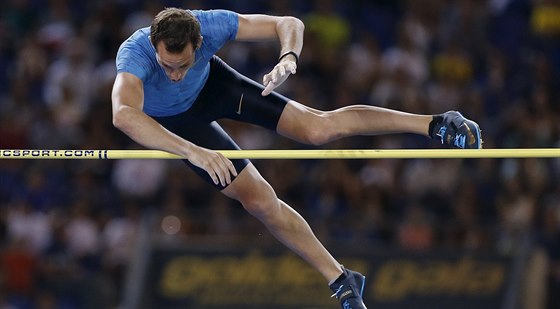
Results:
x,y
214,163
278,75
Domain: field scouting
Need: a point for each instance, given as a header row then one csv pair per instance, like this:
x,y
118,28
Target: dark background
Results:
x,y
69,229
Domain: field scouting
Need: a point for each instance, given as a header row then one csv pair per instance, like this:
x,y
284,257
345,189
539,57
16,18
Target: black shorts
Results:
x,y
226,94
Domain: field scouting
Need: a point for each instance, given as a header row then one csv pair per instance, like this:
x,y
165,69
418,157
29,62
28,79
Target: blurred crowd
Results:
x,y
68,228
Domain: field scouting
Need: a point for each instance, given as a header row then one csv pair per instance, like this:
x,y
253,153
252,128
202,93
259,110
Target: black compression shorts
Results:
x,y
226,94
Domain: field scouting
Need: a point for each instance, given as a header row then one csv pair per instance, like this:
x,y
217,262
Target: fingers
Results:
x,y
223,170
231,168
268,89
277,76
214,176
281,71
293,68
227,169
219,168
289,66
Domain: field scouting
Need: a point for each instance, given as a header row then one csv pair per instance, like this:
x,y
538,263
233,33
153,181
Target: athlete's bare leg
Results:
x,y
312,126
259,199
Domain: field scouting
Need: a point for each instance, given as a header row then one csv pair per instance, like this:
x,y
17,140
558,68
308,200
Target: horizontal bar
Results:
x,y
290,154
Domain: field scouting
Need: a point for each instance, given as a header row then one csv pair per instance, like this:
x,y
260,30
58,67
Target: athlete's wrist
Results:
x,y
289,55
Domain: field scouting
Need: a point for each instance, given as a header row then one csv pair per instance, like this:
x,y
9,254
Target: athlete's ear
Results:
x,y
199,43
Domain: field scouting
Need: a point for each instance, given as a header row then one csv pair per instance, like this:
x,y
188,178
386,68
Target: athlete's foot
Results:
x,y
348,289
454,130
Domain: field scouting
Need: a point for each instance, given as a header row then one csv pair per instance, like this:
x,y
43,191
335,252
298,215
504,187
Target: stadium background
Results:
x,y
102,234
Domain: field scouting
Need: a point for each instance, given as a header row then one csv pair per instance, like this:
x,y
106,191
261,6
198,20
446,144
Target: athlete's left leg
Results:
x,y
312,126
240,98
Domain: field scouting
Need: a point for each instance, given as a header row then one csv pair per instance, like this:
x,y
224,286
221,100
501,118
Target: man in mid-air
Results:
x,y
170,89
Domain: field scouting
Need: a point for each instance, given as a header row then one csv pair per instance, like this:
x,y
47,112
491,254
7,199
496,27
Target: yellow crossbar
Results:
x,y
290,154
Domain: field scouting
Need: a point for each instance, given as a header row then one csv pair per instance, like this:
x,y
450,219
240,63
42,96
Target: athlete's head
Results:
x,y
175,34
176,28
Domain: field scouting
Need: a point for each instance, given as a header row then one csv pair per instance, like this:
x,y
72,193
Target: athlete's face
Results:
x,y
175,65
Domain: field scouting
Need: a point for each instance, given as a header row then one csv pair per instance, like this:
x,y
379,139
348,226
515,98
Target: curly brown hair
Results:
x,y
176,28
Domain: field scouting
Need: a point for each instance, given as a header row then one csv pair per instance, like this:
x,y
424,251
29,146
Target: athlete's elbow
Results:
x,y
299,24
121,118
296,23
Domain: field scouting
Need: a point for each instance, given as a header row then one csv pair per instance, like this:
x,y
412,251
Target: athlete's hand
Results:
x,y
278,75
214,163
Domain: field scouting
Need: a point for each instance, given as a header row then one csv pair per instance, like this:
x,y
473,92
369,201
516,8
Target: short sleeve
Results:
x,y
131,61
218,26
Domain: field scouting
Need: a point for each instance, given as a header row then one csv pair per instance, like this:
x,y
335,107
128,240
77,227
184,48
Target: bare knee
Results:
x,y
308,125
261,201
254,193
317,137
319,131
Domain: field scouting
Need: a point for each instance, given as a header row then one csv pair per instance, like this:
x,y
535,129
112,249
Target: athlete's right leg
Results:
x,y
288,226
227,94
259,199
255,194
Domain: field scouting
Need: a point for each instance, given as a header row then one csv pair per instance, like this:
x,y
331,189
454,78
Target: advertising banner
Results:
x,y
279,279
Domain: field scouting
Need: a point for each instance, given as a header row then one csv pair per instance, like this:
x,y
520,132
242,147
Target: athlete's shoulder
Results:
x,y
139,39
136,54
217,26
214,13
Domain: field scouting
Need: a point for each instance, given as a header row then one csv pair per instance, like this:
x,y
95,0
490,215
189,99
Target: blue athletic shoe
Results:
x,y
349,290
456,131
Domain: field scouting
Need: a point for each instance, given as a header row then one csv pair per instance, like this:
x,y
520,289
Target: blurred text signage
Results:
x,y
255,279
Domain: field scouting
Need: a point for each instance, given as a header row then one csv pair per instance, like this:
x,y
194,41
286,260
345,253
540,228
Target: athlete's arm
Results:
x,y
289,32
128,99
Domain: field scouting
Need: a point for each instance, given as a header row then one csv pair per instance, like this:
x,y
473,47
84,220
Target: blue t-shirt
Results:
x,y
162,97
